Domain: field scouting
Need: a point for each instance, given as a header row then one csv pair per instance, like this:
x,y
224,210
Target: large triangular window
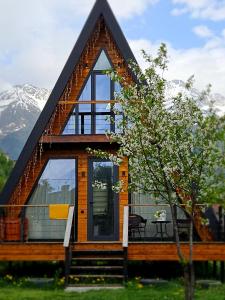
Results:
x,y
57,185
94,118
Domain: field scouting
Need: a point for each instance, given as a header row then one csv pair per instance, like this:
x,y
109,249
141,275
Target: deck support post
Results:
x,y
206,268
67,265
214,270
125,264
222,272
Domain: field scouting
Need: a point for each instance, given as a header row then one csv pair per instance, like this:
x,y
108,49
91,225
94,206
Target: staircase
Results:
x,y
97,267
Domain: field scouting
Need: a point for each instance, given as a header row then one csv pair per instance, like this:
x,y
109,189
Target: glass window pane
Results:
x,y
117,87
70,126
84,124
102,124
84,107
118,123
56,186
86,93
103,200
103,107
102,87
102,62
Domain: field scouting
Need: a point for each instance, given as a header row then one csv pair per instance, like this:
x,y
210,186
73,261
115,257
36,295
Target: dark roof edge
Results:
x,y
101,7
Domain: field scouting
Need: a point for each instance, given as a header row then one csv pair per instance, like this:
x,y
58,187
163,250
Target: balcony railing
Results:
x,y
92,117
24,223
145,225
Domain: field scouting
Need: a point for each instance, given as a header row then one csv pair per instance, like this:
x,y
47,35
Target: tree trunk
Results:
x,y
189,280
176,234
189,273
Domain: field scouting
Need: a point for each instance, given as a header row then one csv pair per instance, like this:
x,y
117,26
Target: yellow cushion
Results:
x,y
58,211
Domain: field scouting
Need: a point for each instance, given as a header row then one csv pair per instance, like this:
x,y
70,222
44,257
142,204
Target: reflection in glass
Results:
x,y
118,123
84,107
86,93
102,62
117,87
102,92
103,200
84,124
70,126
56,186
103,107
102,88
102,124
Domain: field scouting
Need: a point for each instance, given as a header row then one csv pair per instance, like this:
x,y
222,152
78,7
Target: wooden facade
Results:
x,y
136,251
47,142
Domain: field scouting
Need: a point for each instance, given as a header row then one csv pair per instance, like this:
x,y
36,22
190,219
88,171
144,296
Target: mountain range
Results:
x,y
21,105
20,108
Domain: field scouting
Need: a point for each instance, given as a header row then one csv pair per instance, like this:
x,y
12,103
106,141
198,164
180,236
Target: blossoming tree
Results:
x,y
172,146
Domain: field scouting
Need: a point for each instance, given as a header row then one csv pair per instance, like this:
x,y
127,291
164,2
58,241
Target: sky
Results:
x,y
36,37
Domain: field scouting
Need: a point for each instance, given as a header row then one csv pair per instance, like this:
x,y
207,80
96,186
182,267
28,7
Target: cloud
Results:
x,y
37,36
202,31
204,62
204,9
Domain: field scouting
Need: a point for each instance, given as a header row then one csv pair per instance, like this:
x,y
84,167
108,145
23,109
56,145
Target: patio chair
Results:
x,y
137,224
183,228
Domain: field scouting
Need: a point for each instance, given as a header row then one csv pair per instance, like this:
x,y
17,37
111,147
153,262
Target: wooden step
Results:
x,y
97,253
97,267
90,287
98,258
98,276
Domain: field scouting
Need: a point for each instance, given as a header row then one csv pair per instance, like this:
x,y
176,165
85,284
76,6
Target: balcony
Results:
x,y
92,117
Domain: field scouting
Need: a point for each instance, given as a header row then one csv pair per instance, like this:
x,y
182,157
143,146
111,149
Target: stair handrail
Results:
x,y
125,226
69,224
125,240
66,243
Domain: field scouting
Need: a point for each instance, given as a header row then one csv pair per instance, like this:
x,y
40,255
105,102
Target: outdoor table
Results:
x,y
161,228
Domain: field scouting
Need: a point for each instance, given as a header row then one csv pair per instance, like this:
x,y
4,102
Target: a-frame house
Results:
x,y
54,170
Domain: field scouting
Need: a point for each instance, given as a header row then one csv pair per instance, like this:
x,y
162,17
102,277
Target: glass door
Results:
x,y
103,218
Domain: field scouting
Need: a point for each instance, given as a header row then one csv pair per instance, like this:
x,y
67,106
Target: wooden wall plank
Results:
x,y
136,251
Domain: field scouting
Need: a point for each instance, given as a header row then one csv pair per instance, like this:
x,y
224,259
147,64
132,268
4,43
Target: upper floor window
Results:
x,y
95,118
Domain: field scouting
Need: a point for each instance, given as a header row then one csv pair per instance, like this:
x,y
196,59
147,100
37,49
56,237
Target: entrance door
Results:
x,y
103,218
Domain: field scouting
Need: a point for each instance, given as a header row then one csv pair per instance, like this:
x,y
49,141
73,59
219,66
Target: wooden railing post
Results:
x,y
125,226
125,239
66,243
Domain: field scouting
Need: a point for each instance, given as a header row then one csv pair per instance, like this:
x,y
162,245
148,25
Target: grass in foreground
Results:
x,y
172,291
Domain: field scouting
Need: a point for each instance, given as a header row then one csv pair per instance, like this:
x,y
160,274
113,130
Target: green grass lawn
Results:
x,y
171,291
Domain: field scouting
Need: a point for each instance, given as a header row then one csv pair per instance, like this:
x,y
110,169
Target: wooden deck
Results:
x,y
136,251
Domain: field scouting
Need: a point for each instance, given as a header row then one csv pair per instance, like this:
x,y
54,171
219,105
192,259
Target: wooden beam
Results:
x,y
87,138
136,251
168,252
88,102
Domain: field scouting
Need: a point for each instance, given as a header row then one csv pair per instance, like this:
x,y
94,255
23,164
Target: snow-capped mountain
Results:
x,y
19,110
21,106
174,87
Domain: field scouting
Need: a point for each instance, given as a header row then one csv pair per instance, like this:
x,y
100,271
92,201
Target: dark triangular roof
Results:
x,y
101,8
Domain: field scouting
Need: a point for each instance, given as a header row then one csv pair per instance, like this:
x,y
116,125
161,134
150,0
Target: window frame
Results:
x,y
80,126
34,187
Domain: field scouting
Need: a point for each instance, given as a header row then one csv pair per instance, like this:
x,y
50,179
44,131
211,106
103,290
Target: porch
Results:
x,y
28,233
144,222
